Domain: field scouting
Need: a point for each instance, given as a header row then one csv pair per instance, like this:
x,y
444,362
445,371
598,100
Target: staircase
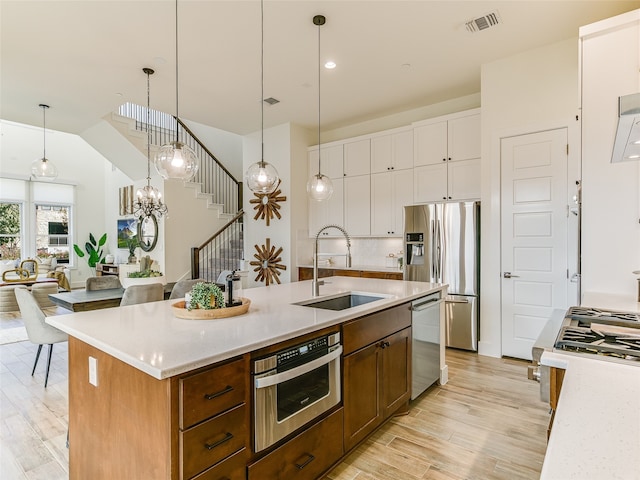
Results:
x,y
213,182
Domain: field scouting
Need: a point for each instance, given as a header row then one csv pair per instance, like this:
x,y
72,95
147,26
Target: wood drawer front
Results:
x,y
233,468
366,330
304,457
211,392
212,441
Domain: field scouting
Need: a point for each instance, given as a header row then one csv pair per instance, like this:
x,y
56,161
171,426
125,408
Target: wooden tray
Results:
x,y
180,311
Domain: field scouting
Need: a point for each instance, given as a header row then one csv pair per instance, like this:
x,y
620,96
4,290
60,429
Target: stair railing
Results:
x,y
214,178
223,251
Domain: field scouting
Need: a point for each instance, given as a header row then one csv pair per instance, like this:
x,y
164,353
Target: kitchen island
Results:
x,y
596,429
133,372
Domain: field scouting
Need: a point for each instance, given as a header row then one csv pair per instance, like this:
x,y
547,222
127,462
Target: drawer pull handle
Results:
x,y
210,446
309,460
211,396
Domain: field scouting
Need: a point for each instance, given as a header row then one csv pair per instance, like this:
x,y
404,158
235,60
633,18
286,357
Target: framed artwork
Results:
x,y
126,200
127,229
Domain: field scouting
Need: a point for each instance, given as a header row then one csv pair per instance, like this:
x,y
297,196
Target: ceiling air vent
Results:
x,y
482,23
271,100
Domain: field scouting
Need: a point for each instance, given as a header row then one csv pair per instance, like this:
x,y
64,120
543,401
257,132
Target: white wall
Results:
x,y
528,92
225,146
77,162
285,148
611,197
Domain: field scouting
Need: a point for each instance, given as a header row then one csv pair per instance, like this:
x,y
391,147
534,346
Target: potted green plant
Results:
x,y
93,250
206,296
132,244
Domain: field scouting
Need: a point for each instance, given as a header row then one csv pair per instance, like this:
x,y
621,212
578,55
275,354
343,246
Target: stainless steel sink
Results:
x,y
342,301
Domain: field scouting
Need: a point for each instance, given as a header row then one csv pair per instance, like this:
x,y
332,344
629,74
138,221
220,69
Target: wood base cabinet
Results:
x,y
306,273
306,456
376,373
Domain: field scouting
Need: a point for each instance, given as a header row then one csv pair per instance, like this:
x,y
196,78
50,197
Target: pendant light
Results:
x,y
262,177
175,159
148,199
319,186
43,169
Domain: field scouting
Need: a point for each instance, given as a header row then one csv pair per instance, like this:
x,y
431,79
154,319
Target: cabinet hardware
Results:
x,y
307,462
210,446
444,198
211,396
444,159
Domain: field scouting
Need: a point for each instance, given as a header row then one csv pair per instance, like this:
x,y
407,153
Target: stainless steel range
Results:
x,y
606,334
612,335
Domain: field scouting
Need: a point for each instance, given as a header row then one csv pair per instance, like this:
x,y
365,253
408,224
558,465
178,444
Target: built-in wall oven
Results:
x,y
294,386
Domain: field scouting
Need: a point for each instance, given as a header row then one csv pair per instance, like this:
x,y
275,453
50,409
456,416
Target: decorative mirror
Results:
x,y
148,232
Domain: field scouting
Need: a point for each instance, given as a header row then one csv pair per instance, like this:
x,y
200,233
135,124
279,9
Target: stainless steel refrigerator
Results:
x,y
442,245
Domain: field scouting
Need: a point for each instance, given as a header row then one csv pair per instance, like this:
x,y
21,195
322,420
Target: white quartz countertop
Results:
x,y
596,430
152,339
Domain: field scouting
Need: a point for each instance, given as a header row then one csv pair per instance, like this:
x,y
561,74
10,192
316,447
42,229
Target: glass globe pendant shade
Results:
x,y
43,169
319,187
176,160
261,177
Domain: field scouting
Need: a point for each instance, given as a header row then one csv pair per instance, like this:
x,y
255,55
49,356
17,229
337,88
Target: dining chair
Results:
x,y
38,331
183,286
134,294
102,283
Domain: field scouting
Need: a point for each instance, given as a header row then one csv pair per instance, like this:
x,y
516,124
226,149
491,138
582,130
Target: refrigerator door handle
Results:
x,y
451,300
434,271
439,251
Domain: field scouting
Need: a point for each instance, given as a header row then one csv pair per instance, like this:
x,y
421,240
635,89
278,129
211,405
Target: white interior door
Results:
x,y
534,235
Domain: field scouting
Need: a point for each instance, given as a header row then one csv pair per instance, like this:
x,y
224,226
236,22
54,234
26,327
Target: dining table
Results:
x,y
85,300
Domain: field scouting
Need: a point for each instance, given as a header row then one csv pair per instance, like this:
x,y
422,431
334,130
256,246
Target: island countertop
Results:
x,y
152,339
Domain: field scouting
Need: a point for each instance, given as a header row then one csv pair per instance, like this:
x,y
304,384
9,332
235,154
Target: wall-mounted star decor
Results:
x,y
266,263
266,204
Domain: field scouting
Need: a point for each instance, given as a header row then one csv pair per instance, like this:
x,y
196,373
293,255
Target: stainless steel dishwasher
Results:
x,y
425,356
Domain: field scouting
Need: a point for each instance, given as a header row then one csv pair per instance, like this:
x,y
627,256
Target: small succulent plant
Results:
x,y
206,296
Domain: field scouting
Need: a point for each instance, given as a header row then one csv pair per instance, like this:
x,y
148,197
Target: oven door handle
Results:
x,y
271,380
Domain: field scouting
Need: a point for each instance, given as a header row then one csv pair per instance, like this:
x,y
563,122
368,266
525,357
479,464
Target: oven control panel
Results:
x,y
304,349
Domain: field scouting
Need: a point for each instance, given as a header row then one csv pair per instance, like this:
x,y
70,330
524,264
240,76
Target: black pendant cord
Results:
x,y
262,82
148,71
177,113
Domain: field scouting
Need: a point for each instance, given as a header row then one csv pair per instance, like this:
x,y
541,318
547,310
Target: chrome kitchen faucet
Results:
x,y
315,284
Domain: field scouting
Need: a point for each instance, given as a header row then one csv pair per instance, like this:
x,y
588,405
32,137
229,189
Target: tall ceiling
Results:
x,y
85,57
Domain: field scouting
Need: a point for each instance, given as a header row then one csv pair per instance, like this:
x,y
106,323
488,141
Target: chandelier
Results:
x,y
148,199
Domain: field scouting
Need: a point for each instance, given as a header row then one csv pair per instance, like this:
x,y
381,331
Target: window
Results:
x,y
52,231
10,231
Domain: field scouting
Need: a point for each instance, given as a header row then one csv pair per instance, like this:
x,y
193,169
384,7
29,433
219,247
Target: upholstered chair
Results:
x,y
151,292
102,283
183,286
38,331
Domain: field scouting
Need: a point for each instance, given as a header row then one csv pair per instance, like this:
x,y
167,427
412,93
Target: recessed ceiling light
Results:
x,y
330,65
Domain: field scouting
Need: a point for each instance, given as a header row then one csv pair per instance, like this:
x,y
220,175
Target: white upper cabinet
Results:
x,y
390,193
328,212
357,158
447,158
393,151
332,161
357,205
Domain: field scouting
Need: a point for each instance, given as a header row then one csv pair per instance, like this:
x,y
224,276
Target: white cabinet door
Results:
x,y
328,212
357,158
357,205
430,183
381,203
402,150
430,144
332,160
402,196
464,180
392,152
381,154
464,138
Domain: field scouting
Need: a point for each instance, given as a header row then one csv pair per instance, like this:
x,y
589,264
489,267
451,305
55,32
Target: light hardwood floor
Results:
x,y
486,423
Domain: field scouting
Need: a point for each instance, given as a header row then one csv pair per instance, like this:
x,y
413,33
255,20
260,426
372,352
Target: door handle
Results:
x,y
508,275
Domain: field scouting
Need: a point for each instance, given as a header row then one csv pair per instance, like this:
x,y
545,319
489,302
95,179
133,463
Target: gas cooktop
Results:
x,y
609,334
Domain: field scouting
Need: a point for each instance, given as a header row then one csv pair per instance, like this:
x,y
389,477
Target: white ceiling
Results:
x,y
85,57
